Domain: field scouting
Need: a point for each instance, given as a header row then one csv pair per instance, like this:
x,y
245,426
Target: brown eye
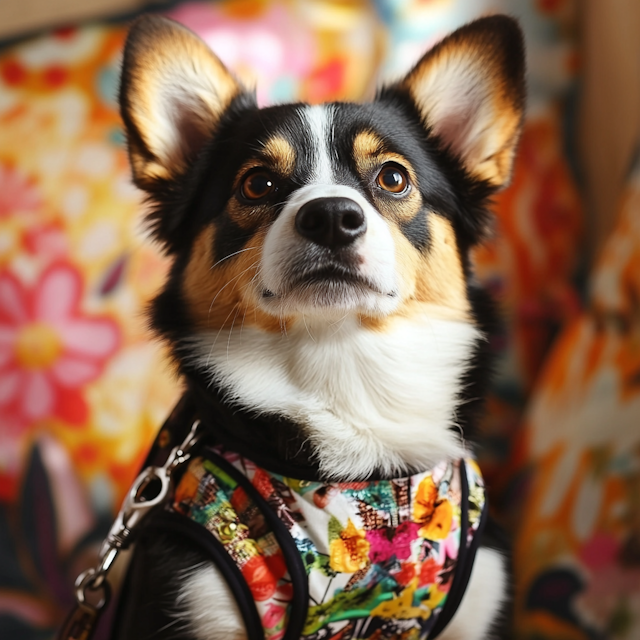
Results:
x,y
257,185
392,179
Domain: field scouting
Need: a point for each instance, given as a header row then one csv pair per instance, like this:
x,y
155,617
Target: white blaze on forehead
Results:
x,y
285,251
319,120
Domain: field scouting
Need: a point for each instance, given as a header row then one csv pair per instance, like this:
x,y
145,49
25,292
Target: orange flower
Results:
x,y
428,572
439,525
261,581
425,503
350,552
434,515
406,574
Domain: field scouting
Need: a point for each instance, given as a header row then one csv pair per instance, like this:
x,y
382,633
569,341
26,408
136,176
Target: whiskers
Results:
x,y
236,307
235,253
253,265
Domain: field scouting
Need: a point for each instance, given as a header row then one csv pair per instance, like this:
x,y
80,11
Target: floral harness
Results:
x,y
378,559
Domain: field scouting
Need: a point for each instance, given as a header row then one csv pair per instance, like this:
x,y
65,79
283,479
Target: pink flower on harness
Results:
x,y
383,547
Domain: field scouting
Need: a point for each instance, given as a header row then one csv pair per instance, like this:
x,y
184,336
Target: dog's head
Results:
x,y
301,215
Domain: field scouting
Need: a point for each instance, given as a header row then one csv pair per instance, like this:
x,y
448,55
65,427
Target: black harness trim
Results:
x,y
466,557
177,523
299,580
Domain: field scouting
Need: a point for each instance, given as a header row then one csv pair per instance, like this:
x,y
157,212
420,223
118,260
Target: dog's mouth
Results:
x,y
329,279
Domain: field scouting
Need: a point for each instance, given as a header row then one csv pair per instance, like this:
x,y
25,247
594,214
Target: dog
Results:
x,y
321,307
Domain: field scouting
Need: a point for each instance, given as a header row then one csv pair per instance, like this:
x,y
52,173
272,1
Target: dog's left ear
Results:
x,y
470,92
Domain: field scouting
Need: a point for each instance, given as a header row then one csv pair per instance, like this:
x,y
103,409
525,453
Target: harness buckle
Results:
x,y
149,490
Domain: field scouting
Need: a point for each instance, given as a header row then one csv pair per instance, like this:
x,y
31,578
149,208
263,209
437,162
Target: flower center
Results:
x,y
38,346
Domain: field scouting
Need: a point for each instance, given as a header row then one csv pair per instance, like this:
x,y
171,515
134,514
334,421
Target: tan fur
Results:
x,y
369,155
473,56
281,155
432,282
441,280
249,217
169,70
221,296
367,144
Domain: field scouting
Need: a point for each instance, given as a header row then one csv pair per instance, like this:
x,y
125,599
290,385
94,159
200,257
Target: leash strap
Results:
x,y
152,488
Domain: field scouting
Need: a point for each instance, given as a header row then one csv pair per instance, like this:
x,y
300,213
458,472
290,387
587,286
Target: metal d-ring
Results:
x,y
91,580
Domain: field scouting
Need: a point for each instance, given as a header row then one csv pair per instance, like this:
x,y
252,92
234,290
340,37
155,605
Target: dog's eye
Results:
x,y
393,179
257,185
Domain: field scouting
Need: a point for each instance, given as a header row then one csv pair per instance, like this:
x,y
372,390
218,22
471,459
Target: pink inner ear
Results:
x,y
191,130
453,130
463,117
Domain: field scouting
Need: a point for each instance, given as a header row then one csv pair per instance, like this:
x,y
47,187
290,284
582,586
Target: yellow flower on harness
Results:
x,y
401,607
350,551
434,514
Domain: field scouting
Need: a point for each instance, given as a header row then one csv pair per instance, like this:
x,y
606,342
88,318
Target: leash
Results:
x,y
149,490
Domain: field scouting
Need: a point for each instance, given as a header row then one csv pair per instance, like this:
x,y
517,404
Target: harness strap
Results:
x,y
173,433
197,534
466,556
297,573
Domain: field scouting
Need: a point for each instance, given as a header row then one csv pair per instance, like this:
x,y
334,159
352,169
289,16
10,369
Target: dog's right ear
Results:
x,y
172,94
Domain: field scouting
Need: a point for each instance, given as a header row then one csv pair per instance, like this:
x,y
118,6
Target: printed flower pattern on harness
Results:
x,y
432,512
379,556
349,552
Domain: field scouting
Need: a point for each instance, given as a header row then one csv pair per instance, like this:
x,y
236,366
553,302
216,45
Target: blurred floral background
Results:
x,y
83,390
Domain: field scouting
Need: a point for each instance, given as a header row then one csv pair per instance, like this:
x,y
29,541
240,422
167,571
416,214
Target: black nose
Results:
x,y
331,222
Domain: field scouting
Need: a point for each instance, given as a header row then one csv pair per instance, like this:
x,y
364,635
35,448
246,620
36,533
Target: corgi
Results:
x,y
322,311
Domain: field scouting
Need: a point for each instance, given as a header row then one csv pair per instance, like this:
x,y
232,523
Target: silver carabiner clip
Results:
x,y
150,489
143,496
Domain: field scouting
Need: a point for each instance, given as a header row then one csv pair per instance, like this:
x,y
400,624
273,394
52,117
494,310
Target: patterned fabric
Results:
x,y
66,202
578,551
380,556
82,389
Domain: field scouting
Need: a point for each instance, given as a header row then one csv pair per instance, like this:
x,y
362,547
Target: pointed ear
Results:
x,y
470,92
172,94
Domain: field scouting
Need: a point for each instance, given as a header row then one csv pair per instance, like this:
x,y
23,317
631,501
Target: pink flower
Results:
x,y
17,193
48,349
46,240
268,45
384,546
450,546
272,616
600,551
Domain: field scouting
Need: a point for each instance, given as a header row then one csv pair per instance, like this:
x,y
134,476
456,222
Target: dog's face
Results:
x,y
325,214
297,216
322,210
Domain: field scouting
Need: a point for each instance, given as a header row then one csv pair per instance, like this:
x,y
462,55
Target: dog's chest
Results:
x,y
365,397
368,557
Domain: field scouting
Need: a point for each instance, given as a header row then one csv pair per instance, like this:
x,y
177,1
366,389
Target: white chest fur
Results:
x,y
368,399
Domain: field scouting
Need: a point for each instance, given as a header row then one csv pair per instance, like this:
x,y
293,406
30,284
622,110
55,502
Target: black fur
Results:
x,y
182,207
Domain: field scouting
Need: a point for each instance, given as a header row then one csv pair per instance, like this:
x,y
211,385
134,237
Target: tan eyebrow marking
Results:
x,y
281,154
369,153
366,144
278,155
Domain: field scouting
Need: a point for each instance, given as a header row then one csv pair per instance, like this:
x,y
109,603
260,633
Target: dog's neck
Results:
x,y
366,401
